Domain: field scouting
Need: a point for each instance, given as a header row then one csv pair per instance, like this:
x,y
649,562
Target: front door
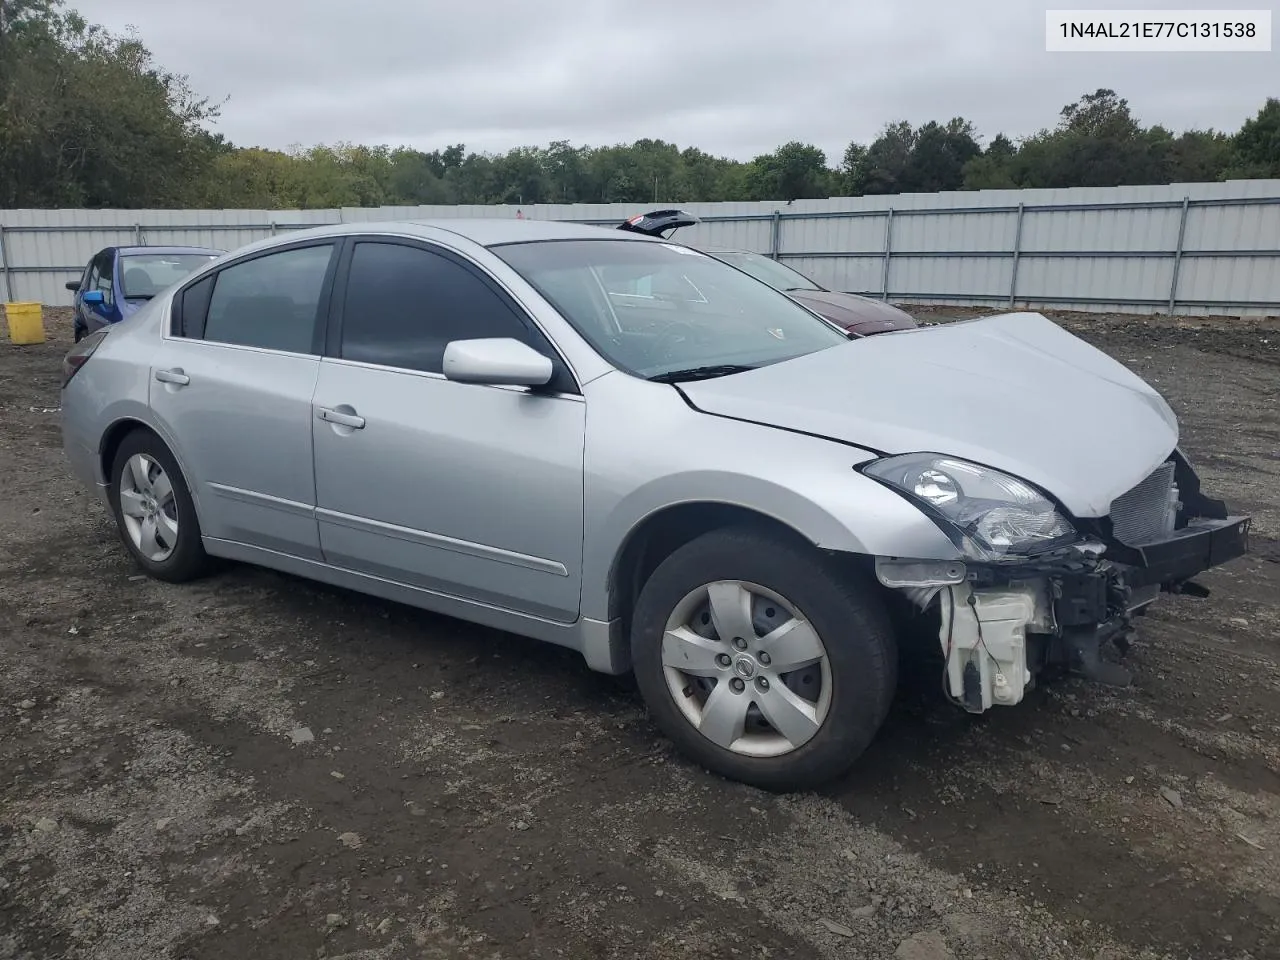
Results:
x,y
464,489
95,316
233,389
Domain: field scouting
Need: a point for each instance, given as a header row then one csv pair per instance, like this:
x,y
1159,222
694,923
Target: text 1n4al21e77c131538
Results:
x,y
1158,31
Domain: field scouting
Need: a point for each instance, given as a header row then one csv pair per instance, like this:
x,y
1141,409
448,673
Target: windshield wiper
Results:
x,y
138,296
700,373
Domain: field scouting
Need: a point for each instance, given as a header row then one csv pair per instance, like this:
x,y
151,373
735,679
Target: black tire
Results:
x,y
79,333
188,560
844,609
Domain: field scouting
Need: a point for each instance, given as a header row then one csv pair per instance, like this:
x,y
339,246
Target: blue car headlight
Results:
x,y
993,517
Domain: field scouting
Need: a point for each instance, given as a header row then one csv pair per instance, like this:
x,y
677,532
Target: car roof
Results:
x,y
491,231
485,231
134,251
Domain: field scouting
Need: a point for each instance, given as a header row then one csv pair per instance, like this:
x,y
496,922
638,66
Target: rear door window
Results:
x,y
269,302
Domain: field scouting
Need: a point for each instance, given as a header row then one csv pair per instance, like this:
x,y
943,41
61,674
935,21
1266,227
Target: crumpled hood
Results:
x,y
1013,391
861,314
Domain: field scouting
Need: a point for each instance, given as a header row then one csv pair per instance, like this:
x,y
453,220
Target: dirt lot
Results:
x,y
464,793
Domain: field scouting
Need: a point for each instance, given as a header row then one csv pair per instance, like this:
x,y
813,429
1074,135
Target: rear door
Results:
x,y
232,383
470,490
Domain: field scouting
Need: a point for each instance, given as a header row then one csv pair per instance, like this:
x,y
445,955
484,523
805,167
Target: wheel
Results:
x,y
154,510
762,662
79,333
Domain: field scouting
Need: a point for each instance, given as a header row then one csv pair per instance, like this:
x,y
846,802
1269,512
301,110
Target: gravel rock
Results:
x,y
301,735
929,945
839,929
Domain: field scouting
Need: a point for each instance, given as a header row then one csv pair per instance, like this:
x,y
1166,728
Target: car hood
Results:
x,y
859,314
1015,392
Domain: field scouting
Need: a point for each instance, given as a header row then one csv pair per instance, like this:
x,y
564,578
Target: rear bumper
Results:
x,y
82,456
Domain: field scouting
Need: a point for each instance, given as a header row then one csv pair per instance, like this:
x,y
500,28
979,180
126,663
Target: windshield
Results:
x,y
770,271
143,275
657,309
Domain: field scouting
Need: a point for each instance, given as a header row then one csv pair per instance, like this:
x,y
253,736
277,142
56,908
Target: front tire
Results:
x,y
154,510
762,662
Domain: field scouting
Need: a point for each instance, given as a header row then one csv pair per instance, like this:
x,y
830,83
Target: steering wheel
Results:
x,y
677,332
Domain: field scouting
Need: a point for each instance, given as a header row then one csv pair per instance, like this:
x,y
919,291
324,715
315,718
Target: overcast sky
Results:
x,y
734,77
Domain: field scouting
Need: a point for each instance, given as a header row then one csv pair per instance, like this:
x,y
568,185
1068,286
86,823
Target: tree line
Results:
x,y
89,119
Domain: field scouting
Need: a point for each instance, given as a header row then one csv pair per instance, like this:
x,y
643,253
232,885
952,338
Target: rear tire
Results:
x,y
716,627
154,511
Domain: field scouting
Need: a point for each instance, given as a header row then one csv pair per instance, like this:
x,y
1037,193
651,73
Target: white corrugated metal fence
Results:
x,y
1183,248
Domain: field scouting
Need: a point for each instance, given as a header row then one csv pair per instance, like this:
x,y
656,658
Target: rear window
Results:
x,y
144,275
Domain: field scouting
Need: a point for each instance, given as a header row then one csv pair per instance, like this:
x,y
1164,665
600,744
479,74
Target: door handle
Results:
x,y
329,415
173,376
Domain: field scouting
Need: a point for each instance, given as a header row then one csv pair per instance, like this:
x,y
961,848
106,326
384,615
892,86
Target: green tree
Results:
x,y
88,119
938,156
1097,143
993,168
881,168
1256,148
794,171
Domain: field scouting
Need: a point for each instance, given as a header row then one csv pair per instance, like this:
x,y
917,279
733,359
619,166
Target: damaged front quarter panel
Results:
x,y
1002,625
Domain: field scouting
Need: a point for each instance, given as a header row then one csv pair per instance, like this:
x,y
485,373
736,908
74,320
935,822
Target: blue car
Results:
x,y
119,280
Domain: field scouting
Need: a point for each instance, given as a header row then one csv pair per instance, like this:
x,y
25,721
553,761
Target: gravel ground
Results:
x,y
259,766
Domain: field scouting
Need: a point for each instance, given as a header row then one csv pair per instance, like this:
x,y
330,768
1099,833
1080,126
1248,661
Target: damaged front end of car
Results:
x,y
1038,590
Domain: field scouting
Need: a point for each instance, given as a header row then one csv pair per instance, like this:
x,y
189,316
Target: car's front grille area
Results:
x,y
1148,512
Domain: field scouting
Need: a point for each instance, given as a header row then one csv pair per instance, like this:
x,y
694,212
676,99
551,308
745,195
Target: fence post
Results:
x,y
888,252
137,234
1017,255
273,228
1177,254
775,236
4,268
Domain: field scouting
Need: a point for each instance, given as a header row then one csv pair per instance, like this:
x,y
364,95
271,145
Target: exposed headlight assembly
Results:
x,y
995,517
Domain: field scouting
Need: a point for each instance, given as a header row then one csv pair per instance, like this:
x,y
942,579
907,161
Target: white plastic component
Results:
x,y
997,646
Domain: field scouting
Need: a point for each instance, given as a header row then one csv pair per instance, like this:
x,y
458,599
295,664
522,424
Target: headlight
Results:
x,y
997,517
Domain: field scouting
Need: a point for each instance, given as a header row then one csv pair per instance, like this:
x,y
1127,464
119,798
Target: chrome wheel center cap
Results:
x,y
744,667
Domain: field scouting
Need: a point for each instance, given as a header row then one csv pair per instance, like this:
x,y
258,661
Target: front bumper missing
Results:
x,y
1003,624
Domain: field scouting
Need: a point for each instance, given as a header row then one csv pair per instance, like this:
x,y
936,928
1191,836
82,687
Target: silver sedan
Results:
x,y
624,446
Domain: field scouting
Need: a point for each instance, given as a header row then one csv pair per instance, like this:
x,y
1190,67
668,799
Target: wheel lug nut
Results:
x,y
764,658
762,683
723,659
740,643
736,685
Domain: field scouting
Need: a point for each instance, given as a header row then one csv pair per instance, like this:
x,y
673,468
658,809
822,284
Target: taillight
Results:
x,y
79,355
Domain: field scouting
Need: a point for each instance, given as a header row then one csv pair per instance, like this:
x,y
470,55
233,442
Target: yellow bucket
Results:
x,y
26,322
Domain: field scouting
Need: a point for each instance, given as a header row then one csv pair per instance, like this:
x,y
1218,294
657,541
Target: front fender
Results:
x,y
675,455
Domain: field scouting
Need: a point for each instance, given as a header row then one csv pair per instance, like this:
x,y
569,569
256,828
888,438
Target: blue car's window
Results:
x,y
103,271
144,275
653,309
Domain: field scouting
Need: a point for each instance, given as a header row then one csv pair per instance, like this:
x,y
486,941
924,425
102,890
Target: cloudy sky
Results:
x,y
734,77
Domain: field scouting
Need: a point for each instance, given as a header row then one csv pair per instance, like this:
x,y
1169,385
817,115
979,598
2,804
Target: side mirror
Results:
x,y
93,296
494,361
73,285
